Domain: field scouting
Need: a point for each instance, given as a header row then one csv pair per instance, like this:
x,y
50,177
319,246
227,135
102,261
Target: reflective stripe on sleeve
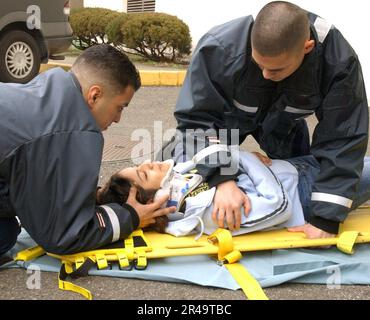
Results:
x,y
332,198
114,221
298,111
245,108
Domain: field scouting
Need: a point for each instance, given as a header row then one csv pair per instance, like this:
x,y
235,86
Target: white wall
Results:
x,y
118,5
350,17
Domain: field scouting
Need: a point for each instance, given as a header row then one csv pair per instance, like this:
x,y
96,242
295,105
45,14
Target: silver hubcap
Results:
x,y
19,60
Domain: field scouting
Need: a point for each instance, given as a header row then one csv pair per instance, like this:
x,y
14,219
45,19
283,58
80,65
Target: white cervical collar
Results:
x,y
177,186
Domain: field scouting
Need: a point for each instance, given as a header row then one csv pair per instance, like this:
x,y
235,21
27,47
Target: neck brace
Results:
x,y
177,186
178,183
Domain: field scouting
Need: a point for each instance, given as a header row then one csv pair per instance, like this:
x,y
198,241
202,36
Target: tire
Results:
x,y
19,57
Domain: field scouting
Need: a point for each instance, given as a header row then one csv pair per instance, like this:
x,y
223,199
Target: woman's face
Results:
x,y
147,175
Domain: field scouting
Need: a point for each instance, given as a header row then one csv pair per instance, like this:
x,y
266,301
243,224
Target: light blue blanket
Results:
x,y
270,268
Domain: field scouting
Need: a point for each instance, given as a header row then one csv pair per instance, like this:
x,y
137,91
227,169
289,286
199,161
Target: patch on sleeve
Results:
x,y
101,220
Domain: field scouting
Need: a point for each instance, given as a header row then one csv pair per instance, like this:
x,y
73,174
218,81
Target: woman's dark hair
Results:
x,y
117,190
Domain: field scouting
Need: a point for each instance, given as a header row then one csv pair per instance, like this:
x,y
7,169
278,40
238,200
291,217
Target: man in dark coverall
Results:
x,y
51,147
263,78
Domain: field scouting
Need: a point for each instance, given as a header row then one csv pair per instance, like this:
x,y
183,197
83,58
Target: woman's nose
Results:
x,y
147,165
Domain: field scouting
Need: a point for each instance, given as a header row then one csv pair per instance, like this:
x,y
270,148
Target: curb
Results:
x,y
148,77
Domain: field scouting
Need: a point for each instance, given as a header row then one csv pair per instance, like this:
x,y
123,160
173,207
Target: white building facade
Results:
x,y
124,5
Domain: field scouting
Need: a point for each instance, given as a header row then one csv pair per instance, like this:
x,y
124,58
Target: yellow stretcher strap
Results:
x,y
141,261
101,261
249,285
346,241
68,286
229,257
79,262
233,256
224,240
124,262
129,252
66,271
129,246
84,263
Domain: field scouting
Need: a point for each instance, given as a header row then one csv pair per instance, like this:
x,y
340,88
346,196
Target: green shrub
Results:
x,y
113,29
156,36
89,26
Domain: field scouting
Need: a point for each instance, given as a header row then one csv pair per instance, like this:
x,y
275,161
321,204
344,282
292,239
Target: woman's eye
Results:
x,y
144,175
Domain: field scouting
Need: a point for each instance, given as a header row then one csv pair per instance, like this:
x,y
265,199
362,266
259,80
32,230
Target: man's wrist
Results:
x,y
226,183
217,180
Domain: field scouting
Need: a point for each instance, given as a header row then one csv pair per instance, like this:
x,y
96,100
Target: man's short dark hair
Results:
x,y
112,66
280,27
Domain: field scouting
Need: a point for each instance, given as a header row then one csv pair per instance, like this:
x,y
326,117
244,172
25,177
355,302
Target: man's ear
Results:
x,y
93,95
308,46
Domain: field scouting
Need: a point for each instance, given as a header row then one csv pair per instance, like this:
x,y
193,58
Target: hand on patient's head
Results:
x,y
152,214
120,190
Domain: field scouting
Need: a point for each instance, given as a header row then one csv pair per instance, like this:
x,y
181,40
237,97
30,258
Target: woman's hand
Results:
x,y
227,204
148,212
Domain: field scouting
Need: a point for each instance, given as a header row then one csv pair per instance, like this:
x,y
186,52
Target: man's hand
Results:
x,y
148,212
227,204
312,232
264,159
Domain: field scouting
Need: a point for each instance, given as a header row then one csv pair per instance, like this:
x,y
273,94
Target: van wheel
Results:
x,y
19,57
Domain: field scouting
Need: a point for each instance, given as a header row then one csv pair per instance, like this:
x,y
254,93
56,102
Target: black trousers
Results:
x,y
9,230
9,226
